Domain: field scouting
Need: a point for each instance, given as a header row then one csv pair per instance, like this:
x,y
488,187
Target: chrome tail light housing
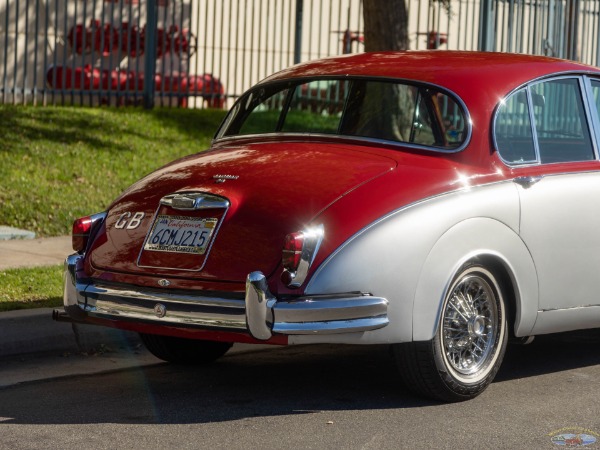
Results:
x,y
83,229
299,252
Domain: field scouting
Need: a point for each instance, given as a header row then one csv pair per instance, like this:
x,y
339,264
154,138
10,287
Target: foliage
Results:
x,y
57,164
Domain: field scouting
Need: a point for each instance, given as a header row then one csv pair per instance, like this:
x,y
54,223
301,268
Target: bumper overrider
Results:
x,y
258,312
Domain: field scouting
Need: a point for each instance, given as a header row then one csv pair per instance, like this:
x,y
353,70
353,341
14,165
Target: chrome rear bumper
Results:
x,y
257,312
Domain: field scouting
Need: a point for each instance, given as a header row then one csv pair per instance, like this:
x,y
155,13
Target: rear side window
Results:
x,y
560,122
544,123
514,134
384,110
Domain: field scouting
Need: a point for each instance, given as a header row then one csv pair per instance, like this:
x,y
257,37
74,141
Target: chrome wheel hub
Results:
x,y
469,325
476,326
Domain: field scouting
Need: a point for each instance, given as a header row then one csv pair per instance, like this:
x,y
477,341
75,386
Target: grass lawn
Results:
x,y
57,164
31,288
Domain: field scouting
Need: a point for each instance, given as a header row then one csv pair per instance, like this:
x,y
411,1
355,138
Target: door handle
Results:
x,y
528,181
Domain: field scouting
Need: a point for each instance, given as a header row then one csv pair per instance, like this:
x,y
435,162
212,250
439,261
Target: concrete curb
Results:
x,y
34,331
10,233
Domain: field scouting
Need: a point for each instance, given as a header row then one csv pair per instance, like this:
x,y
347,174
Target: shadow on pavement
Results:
x,y
281,381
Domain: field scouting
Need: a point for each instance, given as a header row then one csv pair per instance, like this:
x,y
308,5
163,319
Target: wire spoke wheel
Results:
x,y
469,325
465,354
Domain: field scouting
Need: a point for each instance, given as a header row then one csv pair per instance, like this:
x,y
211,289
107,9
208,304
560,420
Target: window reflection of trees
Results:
x,y
375,109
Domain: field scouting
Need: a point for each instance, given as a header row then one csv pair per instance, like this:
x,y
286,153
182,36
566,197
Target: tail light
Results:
x,y
292,251
299,251
83,229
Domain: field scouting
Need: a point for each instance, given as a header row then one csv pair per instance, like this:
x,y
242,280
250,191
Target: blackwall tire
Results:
x,y
467,351
184,351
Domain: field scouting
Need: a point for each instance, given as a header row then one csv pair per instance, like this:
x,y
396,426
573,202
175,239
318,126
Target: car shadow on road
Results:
x,y
551,353
275,382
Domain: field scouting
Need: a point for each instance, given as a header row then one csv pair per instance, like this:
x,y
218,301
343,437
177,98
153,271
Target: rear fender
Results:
x,y
468,240
409,257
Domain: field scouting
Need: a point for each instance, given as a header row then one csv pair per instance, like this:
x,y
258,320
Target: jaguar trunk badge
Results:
x,y
164,283
222,178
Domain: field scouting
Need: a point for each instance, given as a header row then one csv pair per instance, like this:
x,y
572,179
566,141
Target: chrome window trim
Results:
x,y
584,93
536,143
587,116
593,110
344,137
503,101
300,80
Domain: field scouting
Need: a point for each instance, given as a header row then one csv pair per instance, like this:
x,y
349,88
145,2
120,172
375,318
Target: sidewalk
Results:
x,y
17,253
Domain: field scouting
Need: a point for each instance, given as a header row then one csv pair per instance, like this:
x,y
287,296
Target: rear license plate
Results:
x,y
180,234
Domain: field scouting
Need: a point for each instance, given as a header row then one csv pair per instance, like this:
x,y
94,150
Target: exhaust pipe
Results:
x,y
62,316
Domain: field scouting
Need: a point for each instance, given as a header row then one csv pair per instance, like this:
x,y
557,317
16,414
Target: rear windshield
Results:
x,y
420,115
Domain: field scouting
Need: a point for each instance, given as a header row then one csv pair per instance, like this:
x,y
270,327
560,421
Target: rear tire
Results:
x,y
465,354
184,351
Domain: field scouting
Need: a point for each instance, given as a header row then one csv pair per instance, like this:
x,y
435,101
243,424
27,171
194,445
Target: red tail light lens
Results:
x,y
292,251
81,233
82,229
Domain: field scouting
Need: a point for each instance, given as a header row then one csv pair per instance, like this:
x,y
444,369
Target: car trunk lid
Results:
x,y
253,196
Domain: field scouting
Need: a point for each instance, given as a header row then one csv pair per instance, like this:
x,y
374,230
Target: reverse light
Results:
x,y
82,230
299,251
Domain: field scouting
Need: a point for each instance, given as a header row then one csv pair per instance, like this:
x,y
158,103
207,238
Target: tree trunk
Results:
x,y
386,25
386,28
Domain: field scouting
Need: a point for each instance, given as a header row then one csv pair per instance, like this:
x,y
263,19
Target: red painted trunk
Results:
x,y
279,189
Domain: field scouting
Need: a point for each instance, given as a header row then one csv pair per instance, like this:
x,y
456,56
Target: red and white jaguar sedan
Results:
x,y
439,202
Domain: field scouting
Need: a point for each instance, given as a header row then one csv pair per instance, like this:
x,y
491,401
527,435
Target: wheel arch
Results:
x,y
492,244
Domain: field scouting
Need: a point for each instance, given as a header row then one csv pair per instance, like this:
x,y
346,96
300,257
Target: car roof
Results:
x,y
459,71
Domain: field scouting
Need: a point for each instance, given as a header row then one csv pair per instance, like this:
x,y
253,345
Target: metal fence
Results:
x,y
205,53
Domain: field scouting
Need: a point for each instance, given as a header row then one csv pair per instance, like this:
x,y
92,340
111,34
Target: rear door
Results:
x,y
546,132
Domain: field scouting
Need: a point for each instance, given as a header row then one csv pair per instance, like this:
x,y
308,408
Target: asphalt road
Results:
x,y
320,397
